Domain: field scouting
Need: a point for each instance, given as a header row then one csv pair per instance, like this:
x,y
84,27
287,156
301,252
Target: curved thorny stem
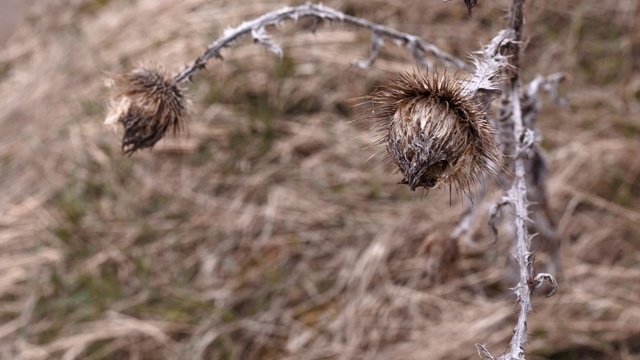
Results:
x,y
257,28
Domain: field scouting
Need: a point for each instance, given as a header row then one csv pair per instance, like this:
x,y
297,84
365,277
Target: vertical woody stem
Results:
x,y
518,191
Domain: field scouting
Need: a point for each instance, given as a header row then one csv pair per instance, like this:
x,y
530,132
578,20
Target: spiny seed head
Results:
x,y
148,104
434,131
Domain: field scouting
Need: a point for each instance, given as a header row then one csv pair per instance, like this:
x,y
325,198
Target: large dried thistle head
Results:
x,y
148,104
434,131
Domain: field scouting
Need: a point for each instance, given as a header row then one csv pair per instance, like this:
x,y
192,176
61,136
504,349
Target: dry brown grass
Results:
x,y
265,233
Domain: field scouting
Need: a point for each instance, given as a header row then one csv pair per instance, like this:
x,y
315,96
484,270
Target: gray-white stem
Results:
x,y
524,140
417,46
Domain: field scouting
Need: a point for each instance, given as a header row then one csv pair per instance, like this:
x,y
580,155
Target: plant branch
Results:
x,y
418,47
522,136
518,191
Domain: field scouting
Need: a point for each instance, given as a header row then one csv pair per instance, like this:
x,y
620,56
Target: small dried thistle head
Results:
x,y
148,104
434,131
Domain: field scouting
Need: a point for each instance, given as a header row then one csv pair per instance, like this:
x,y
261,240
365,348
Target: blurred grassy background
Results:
x,y
265,233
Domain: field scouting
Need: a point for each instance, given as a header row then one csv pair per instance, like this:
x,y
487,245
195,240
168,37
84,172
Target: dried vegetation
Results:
x,y
265,233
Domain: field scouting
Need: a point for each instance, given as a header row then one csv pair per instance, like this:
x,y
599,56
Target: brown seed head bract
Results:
x,y
148,104
434,131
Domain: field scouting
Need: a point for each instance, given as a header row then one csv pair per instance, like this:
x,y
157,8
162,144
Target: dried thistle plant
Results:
x,y
436,128
148,104
435,131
